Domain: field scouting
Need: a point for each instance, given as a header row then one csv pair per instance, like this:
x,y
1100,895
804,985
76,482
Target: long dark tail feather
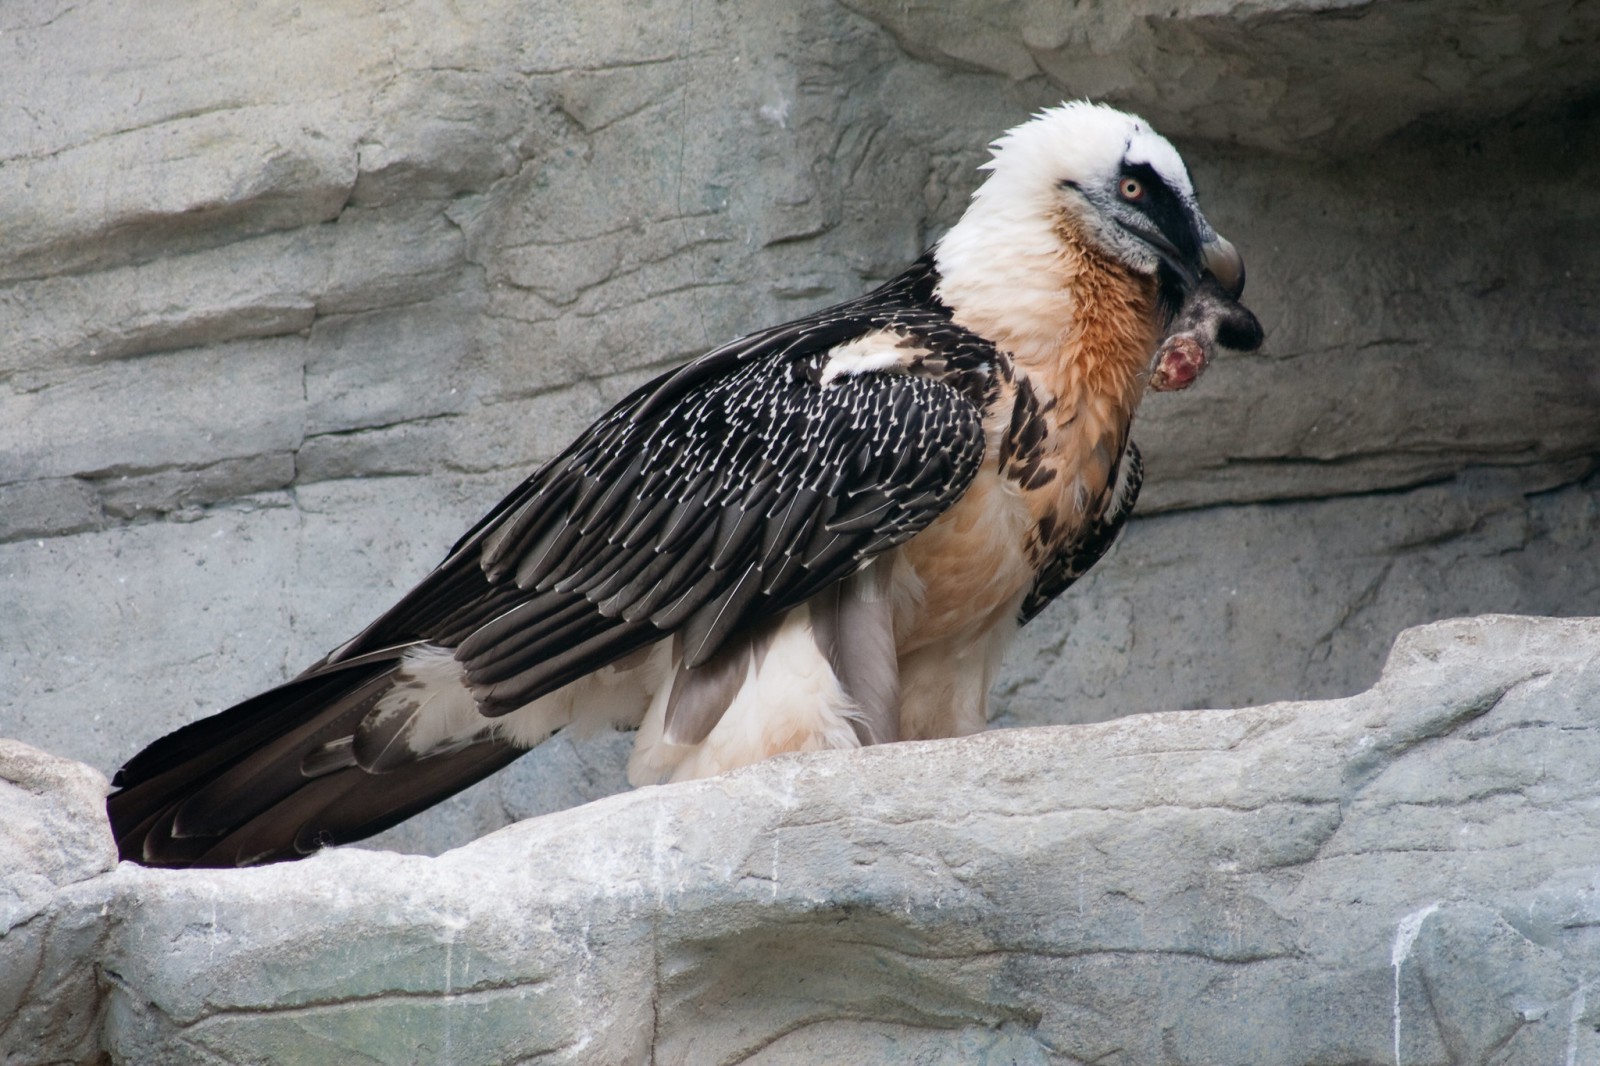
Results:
x,y
245,786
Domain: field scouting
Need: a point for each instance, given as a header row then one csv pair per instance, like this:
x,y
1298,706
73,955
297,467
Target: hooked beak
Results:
x,y
1225,264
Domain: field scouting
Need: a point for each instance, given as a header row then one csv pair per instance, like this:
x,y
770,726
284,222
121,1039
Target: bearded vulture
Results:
x,y
822,535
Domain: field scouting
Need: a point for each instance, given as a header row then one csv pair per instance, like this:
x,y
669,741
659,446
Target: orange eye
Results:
x,y
1131,189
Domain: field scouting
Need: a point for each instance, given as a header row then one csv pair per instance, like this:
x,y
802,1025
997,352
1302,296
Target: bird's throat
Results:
x,y
1078,323
1095,368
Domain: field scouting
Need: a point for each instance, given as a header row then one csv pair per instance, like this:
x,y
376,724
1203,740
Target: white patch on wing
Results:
x,y
431,710
790,702
870,353
430,692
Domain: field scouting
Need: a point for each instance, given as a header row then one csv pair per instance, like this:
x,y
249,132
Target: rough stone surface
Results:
x,y
292,293
1403,876
1244,605
53,835
1316,77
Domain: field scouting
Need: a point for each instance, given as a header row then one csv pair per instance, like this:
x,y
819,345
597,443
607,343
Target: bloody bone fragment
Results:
x,y
1209,319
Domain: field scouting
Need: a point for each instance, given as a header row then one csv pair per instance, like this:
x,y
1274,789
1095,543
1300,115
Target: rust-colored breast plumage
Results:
x,y
1073,407
1056,431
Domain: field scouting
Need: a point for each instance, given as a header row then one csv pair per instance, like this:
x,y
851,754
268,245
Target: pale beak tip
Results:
x,y
1226,265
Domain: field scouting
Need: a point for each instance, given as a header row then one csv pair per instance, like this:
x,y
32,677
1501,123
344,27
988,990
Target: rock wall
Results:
x,y
1405,876
294,292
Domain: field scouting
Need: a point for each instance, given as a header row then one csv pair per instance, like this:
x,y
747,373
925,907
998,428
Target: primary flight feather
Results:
x,y
822,535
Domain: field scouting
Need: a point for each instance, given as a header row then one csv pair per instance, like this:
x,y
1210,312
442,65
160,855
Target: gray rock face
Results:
x,y
1402,876
1309,77
292,294
53,835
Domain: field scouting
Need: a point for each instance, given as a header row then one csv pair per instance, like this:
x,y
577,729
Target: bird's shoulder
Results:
x,y
901,328
765,379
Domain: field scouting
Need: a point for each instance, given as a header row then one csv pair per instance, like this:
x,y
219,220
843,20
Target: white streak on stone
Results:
x,y
1405,937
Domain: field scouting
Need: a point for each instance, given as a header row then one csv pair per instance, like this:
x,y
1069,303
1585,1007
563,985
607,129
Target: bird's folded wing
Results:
x,y
700,505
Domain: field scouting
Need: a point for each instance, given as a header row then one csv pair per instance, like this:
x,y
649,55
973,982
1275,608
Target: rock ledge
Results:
x,y
1403,876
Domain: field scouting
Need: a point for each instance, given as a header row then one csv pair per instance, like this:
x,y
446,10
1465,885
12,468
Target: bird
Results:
x,y
822,535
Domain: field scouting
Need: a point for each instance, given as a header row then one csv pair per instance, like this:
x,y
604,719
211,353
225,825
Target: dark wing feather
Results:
x,y
1074,559
733,505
